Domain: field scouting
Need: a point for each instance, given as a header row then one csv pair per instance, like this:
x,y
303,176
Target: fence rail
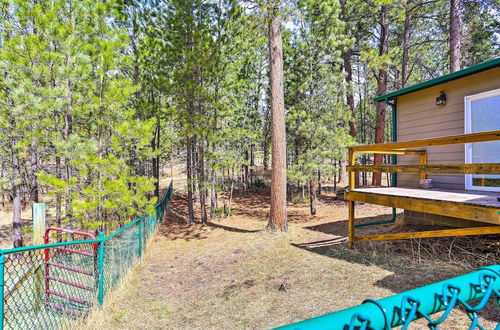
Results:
x,y
49,286
470,293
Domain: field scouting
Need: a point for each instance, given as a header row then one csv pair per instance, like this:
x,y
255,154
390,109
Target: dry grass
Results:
x,y
231,274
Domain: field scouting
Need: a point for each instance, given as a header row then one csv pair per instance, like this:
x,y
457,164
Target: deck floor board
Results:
x,y
469,197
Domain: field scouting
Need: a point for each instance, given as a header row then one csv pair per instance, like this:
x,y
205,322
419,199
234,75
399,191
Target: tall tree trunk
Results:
x,y
348,78
230,199
16,191
34,193
312,197
455,35
319,182
59,176
406,49
213,193
381,90
194,172
189,166
156,166
350,96
67,167
278,215
246,173
252,165
267,131
201,182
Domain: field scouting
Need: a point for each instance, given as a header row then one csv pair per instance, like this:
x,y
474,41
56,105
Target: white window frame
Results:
x,y
468,129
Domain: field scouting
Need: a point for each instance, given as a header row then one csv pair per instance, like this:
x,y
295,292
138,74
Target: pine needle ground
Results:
x,y
231,274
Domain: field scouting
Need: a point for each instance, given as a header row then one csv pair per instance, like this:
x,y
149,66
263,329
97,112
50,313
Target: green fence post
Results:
x,y
141,235
2,286
100,268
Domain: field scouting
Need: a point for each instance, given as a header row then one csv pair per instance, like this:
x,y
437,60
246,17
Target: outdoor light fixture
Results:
x,y
441,99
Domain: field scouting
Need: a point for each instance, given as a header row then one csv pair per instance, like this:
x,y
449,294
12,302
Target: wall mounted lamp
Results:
x,y
441,99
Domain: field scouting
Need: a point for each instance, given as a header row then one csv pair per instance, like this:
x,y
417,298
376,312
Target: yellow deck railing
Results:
x,y
411,148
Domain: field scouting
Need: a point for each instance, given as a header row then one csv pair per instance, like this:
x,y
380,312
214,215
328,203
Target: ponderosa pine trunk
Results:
x,y
312,197
246,172
201,182
213,193
278,215
350,96
381,90
252,165
349,91
455,35
405,74
16,191
156,160
68,123
189,179
319,182
34,179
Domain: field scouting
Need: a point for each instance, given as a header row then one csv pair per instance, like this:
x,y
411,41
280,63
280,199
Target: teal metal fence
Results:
x,y
470,293
50,286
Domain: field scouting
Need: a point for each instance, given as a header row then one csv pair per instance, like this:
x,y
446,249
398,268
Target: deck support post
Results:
x,y
352,185
351,225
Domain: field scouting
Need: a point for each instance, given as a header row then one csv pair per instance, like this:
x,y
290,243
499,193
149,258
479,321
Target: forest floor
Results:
x,y
232,274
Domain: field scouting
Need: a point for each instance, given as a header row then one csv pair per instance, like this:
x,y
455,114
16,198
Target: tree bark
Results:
x,y
252,165
406,49
34,179
156,160
278,215
350,96
381,90
213,194
67,132
455,35
312,197
246,171
319,182
16,192
201,182
189,165
348,78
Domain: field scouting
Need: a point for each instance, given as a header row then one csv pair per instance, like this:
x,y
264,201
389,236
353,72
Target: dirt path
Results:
x,y
232,275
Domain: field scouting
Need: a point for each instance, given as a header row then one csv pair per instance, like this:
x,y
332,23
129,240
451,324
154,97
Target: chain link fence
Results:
x,y
49,286
469,293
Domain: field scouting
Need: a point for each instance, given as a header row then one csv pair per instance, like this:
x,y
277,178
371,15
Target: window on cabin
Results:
x,y
482,114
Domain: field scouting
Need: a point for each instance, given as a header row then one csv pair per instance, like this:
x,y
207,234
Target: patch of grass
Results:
x,y
223,212
300,200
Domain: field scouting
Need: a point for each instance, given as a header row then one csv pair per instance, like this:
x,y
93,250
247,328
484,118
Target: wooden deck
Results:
x,y
471,197
480,206
472,205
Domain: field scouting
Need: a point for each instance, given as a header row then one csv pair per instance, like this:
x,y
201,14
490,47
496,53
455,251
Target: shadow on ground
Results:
x,y
404,258
413,263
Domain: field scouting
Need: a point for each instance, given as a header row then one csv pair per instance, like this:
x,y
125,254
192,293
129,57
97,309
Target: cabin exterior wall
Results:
x,y
418,117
